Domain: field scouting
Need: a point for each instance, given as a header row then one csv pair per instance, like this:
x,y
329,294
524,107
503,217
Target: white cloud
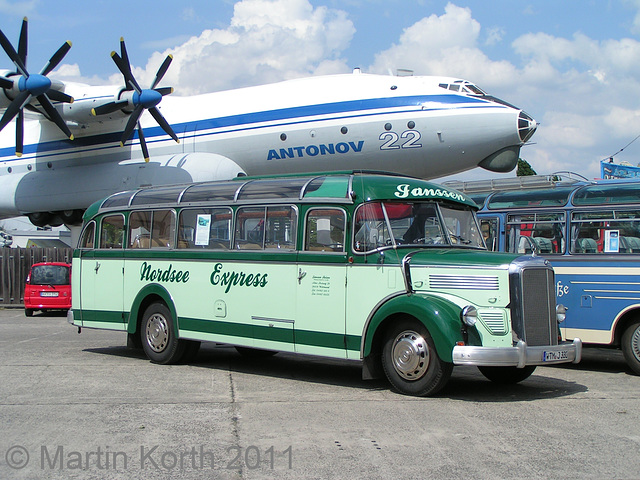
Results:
x,y
266,41
445,45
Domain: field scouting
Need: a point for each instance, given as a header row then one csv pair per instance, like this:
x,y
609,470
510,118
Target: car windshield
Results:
x,y
50,275
390,224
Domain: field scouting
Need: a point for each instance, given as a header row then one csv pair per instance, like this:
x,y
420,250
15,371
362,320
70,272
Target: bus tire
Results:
x,y
28,312
410,361
631,346
159,340
507,375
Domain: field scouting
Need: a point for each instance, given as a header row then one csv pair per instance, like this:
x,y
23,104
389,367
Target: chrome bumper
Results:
x,y
519,356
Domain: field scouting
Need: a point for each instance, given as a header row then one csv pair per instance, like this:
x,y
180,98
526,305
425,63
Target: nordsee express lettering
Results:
x,y
231,279
168,275
405,190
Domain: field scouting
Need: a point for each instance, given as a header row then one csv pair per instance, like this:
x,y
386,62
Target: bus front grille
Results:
x,y
533,305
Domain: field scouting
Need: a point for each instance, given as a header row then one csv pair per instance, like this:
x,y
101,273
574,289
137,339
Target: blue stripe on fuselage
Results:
x,y
247,119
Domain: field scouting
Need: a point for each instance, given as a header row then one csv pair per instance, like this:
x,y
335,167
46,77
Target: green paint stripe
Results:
x,y
233,329
285,335
99,316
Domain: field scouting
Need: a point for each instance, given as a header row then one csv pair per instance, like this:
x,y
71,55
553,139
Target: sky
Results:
x,y
574,65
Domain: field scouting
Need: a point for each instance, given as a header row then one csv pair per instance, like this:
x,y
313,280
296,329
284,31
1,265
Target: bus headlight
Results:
x,y
561,312
469,315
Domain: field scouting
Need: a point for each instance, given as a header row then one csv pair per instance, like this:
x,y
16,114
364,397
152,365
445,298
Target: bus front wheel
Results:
x,y
631,346
159,340
410,361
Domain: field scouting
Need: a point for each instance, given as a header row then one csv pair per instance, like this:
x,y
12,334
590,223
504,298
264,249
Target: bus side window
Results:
x,y
280,227
88,236
489,228
205,228
324,230
112,232
140,229
249,234
163,229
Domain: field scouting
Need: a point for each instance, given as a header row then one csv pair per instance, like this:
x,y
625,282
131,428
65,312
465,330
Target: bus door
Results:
x,y
321,284
263,291
101,275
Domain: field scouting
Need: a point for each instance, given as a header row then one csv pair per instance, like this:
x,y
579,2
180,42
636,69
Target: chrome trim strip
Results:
x,y
267,319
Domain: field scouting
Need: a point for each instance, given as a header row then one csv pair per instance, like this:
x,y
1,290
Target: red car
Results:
x,y
48,288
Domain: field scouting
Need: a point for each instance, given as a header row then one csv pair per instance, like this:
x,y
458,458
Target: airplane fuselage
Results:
x,y
409,125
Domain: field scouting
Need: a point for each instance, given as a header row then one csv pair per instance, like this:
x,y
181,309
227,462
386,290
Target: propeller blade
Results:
x,y
54,116
22,43
163,123
131,125
164,90
124,55
143,143
19,133
58,96
162,70
13,55
5,83
108,108
125,69
14,107
56,58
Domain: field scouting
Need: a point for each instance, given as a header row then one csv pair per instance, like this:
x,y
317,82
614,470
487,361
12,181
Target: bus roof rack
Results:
x,y
515,183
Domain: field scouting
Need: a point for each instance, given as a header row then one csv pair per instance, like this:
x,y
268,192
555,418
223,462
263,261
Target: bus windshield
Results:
x,y
391,224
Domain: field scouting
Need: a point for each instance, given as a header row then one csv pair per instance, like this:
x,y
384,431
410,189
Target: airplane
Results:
x,y
65,145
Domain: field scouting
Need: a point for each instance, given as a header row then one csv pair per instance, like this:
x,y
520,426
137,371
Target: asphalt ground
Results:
x,y
87,407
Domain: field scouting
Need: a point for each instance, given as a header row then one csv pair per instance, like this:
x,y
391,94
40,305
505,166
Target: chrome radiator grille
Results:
x,y
533,311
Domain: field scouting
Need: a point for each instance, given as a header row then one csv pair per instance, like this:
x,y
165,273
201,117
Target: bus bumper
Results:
x,y
70,316
519,356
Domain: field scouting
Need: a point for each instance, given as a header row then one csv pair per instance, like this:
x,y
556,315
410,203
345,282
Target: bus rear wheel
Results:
x,y
159,340
410,360
631,346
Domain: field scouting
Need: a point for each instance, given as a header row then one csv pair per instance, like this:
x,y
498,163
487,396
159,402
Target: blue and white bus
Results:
x,y
590,232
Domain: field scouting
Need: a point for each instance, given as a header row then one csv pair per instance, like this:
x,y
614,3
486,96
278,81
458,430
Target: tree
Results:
x,y
524,168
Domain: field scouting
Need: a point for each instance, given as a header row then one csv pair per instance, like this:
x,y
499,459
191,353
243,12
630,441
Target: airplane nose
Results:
x,y
526,126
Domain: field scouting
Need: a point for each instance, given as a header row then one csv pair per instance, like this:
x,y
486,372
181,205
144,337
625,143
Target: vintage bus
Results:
x,y
590,232
387,270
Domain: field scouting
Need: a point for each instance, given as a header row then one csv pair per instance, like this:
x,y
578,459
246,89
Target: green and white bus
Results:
x,y
386,270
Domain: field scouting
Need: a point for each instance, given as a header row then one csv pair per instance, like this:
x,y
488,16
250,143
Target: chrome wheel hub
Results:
x,y
410,355
157,332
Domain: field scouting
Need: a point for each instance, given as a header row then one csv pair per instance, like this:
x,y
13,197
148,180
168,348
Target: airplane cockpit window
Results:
x,y
464,87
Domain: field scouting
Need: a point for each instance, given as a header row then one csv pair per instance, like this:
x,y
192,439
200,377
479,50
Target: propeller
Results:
x,y
22,87
139,99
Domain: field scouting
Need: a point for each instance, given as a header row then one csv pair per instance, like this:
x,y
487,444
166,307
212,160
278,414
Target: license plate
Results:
x,y
48,294
555,356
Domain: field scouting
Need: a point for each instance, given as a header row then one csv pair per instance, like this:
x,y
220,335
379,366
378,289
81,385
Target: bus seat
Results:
x,y
544,244
141,241
629,245
587,245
